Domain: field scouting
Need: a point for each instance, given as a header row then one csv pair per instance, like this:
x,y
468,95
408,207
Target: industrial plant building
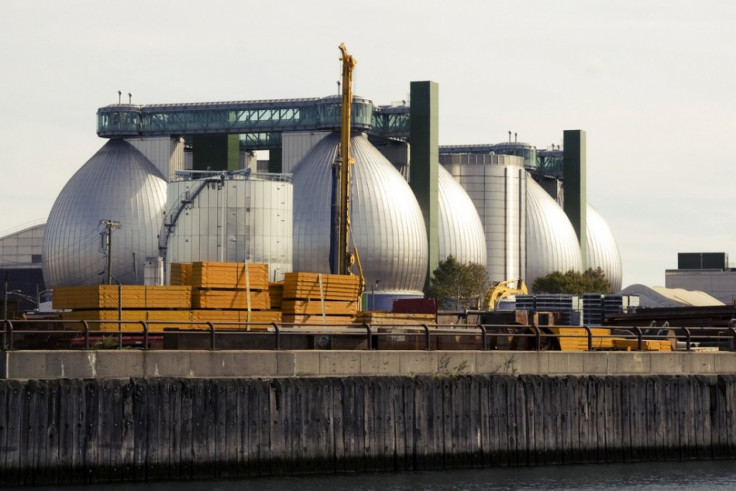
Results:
x,y
181,183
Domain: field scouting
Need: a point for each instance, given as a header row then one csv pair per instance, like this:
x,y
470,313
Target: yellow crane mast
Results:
x,y
342,257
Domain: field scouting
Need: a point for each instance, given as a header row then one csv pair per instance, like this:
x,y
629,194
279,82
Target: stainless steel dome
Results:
x,y
602,249
459,228
118,183
551,242
388,227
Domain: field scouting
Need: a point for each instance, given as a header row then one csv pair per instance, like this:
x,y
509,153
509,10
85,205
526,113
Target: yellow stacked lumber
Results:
x,y
646,344
576,338
230,299
176,319
333,287
276,291
173,318
256,316
393,318
312,306
230,275
168,297
318,320
214,316
261,316
180,274
604,342
571,338
125,296
242,317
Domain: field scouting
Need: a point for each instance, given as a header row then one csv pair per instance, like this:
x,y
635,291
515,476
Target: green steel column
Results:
x,y
216,152
576,200
424,161
275,161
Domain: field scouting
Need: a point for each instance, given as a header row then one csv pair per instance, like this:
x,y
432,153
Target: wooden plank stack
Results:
x,y
125,296
203,292
646,344
180,274
320,299
252,276
231,292
124,302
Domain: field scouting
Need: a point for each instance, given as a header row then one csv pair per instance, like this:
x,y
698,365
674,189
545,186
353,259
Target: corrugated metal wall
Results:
x,y
496,185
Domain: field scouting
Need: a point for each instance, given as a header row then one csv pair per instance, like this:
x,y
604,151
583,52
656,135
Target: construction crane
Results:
x,y
501,290
341,257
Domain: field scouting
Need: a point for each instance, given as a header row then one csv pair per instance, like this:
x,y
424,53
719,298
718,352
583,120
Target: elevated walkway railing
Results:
x,y
119,334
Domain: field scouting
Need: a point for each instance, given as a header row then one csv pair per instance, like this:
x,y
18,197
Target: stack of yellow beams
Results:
x,y
320,299
172,318
124,296
251,276
126,302
230,299
576,338
231,293
646,344
180,274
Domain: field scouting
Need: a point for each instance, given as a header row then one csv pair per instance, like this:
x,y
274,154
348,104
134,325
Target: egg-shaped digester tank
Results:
x,y
603,251
117,185
459,227
551,242
387,223
233,217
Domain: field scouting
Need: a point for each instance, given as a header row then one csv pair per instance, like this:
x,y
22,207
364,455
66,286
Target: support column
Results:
x,y
576,200
424,162
275,160
216,152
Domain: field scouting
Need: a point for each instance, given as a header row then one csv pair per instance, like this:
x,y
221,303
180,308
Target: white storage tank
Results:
x,y
496,185
231,217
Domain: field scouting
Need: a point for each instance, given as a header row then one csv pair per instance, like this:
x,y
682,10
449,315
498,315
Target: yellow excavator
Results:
x,y
503,289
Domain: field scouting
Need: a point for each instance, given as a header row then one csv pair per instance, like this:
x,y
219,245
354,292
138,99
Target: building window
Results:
x,y
36,258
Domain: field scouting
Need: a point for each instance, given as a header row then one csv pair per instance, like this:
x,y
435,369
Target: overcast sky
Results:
x,y
651,82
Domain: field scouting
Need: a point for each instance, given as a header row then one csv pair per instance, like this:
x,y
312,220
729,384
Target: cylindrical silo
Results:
x,y
387,223
117,185
496,185
232,218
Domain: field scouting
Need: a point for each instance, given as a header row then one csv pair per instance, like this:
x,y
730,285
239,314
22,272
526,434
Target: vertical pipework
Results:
x,y
574,157
424,161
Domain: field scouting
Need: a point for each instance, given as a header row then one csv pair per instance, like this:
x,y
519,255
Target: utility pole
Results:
x,y
110,225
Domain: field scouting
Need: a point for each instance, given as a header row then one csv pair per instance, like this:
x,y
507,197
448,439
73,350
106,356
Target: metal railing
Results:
x,y
87,334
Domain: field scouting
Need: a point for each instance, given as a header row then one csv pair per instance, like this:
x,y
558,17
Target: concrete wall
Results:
x,y
267,364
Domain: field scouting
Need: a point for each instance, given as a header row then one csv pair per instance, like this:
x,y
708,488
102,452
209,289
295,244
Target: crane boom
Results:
x,y
341,232
341,257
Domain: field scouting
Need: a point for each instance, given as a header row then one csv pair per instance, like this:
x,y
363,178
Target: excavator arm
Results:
x,y
503,289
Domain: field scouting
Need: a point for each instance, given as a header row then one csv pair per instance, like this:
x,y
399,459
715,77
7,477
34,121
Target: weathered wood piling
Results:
x,y
106,430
